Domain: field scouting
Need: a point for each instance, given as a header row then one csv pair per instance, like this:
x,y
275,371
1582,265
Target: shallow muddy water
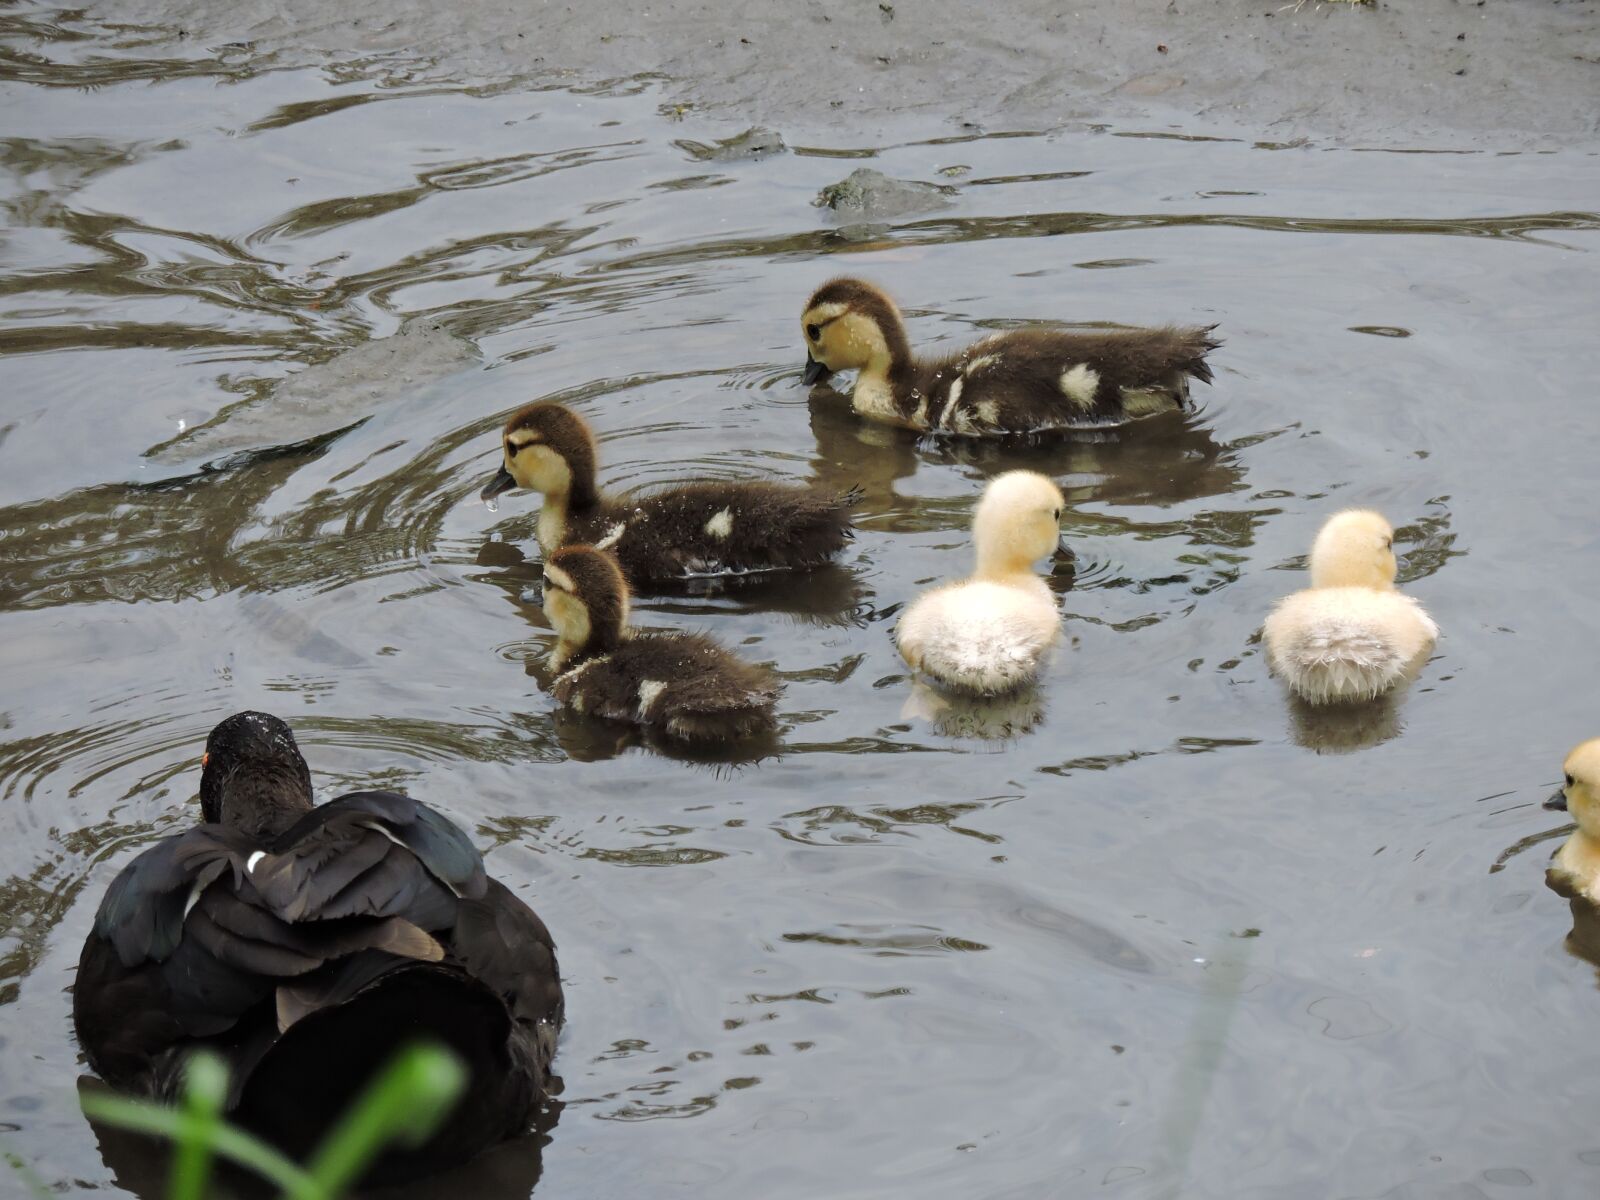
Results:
x,y
1170,938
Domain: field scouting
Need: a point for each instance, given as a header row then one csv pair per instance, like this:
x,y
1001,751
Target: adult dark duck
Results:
x,y
305,945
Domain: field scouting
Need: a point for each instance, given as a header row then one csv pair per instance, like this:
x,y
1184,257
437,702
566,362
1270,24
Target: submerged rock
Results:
x,y
868,193
328,395
755,142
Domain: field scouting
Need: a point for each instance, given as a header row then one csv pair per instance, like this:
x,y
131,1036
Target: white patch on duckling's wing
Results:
x,y
649,691
979,363
951,417
721,524
612,536
1079,384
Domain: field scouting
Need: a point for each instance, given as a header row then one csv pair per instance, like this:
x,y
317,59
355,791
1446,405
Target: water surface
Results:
x,y
1171,939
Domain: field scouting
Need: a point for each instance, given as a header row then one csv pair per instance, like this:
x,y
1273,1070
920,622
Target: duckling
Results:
x,y
676,532
681,684
1349,636
1021,381
987,635
305,945
1575,870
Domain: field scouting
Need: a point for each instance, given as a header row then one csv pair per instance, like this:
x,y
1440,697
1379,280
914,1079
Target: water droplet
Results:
x,y
182,424
492,505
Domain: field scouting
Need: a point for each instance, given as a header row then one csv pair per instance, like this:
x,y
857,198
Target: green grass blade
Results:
x,y
408,1102
141,1116
205,1088
30,1177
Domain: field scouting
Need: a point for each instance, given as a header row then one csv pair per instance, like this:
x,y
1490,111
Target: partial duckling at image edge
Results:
x,y
672,533
1020,381
1574,872
987,635
1350,636
683,684
306,945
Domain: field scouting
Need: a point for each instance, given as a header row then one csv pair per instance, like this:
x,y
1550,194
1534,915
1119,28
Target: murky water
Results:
x,y
1168,942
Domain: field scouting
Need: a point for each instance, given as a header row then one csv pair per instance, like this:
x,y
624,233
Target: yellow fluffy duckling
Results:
x,y
987,635
1575,870
1021,381
1350,635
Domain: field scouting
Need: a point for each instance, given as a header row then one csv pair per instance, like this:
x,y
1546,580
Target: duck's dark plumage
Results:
x,y
306,952
669,533
682,684
1020,381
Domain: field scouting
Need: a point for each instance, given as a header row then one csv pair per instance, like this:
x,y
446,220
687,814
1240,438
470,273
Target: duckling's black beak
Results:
x,y
500,484
815,372
1558,801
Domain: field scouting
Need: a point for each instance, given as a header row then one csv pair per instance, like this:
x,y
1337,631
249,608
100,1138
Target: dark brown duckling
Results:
x,y
1021,381
684,685
307,945
674,533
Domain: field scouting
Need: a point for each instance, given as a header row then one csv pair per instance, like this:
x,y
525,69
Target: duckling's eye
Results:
x,y
511,449
1056,513
1569,780
813,332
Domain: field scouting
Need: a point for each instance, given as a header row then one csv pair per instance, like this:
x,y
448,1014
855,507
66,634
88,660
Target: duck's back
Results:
x,y
682,683
1039,380
308,963
702,529
981,637
1344,644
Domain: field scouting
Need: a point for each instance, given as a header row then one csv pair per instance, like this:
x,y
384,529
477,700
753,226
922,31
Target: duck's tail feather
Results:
x,y
326,1056
1194,344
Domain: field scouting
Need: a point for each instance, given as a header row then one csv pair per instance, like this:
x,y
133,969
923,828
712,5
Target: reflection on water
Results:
x,y
259,321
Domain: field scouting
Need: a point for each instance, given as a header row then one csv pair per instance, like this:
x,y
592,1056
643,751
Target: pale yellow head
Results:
x,y
851,325
1018,522
1354,549
1581,788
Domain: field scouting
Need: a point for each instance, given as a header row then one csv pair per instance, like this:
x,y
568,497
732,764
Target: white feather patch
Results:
x,y
1079,384
612,536
720,525
955,399
979,363
649,690
250,863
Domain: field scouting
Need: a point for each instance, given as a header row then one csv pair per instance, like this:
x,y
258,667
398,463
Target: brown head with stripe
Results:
x,y
848,325
586,599
548,448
